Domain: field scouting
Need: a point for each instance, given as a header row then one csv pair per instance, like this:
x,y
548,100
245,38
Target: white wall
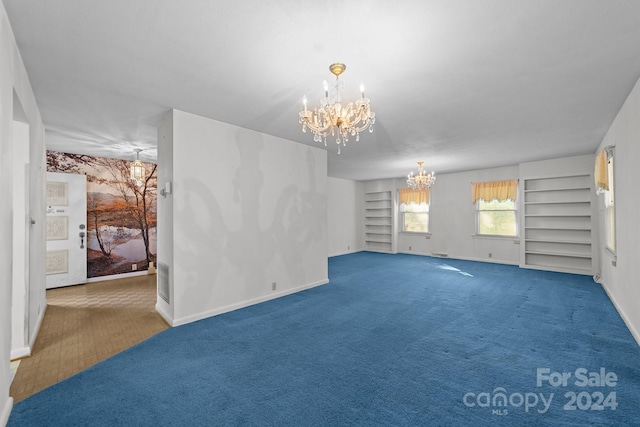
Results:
x,y
621,281
13,77
249,210
345,216
452,221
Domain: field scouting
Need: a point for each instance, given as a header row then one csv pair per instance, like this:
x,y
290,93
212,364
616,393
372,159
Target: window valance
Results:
x,y
409,195
601,174
489,190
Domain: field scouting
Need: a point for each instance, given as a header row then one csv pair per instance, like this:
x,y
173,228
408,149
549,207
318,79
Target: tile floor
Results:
x,y
85,324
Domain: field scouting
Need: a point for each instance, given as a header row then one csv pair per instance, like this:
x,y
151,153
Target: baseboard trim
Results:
x,y
634,332
36,330
243,304
117,276
19,353
489,260
345,253
6,411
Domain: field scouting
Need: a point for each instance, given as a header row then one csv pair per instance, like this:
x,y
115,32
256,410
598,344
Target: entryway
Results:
x,y
86,324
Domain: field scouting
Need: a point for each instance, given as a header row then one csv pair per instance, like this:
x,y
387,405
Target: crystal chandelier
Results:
x,y
333,119
137,169
422,179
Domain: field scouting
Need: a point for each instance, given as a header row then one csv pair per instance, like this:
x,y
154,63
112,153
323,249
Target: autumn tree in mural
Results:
x,y
135,199
101,213
120,211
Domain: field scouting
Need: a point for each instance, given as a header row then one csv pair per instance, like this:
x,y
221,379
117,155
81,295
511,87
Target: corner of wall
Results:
x,y
36,329
164,245
6,411
162,309
634,332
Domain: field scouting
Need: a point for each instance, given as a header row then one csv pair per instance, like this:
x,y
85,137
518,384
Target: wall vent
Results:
x,y
440,254
163,282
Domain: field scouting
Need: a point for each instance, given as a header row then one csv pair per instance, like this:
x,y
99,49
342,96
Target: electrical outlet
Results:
x,y
614,263
409,247
490,254
273,286
348,247
134,267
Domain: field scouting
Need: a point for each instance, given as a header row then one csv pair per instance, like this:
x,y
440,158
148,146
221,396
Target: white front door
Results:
x,y
66,229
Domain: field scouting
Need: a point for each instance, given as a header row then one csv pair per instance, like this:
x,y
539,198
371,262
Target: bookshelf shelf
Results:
x,y
557,224
378,221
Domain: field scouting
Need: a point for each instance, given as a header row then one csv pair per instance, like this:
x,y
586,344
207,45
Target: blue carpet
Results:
x,y
391,340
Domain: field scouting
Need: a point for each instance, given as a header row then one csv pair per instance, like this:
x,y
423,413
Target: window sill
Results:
x,y
611,254
516,239
416,233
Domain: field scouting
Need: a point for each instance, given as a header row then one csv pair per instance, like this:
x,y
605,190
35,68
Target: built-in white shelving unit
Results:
x,y
378,221
558,223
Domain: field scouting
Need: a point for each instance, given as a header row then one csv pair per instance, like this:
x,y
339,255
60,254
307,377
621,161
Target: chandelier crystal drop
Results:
x,y
422,179
137,169
335,120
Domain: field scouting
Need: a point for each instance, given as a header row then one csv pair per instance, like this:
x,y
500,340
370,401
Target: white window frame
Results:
x,y
477,211
402,220
609,205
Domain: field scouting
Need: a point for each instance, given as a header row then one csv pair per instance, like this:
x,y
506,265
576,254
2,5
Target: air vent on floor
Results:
x,y
163,282
440,254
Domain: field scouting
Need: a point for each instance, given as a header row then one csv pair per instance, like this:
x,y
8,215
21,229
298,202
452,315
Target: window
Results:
x,y
495,203
604,177
610,210
496,218
414,210
415,217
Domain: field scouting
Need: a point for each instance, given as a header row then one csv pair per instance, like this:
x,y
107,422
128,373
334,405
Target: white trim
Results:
x,y
515,238
36,330
491,261
117,276
344,253
427,235
19,353
243,304
634,332
611,254
488,260
6,411
167,318
569,270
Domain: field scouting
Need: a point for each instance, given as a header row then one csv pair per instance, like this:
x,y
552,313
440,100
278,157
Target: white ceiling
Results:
x,y
460,84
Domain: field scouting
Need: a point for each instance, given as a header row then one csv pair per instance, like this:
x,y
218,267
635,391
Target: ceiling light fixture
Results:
x,y
335,120
137,169
422,179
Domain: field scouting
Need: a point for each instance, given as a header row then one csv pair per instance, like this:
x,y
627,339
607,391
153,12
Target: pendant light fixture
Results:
x,y
138,172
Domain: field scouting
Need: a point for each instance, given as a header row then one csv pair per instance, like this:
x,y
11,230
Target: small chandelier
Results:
x,y
333,119
137,169
421,180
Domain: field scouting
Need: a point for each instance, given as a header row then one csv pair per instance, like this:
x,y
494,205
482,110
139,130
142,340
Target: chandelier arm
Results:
x,y
364,126
318,129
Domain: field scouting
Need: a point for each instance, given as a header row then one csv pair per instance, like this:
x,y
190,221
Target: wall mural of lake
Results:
x,y
121,214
